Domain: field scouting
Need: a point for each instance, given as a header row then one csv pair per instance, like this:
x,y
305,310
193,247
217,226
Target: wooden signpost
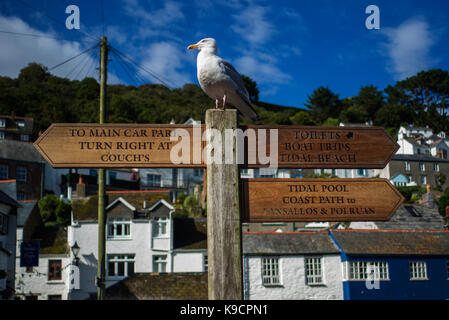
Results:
x,y
150,145
231,200
281,200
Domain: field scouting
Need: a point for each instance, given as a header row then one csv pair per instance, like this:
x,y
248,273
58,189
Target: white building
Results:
x,y
291,266
8,221
142,237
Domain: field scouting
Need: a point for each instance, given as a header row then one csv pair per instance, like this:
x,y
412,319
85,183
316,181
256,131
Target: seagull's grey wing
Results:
x,y
240,90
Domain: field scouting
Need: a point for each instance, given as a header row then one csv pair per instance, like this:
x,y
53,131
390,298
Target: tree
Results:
x,y
302,118
54,210
370,98
251,87
323,103
47,207
354,114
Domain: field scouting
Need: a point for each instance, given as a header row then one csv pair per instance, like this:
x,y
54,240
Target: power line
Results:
x,y
39,36
124,68
54,19
72,58
153,74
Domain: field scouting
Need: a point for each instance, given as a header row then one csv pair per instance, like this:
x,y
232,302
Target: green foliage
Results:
x,y
443,202
331,122
302,118
251,87
323,103
54,211
408,192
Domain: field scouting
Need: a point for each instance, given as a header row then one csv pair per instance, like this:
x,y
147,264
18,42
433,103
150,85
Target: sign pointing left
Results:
x,y
114,145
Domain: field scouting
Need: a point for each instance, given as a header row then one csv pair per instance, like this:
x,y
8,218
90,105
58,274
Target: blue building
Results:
x,y
393,264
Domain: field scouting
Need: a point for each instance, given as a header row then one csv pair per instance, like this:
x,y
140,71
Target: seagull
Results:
x,y
219,79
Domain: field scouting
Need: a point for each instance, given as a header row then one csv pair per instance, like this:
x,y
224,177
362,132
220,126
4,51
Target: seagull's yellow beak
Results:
x,y
192,46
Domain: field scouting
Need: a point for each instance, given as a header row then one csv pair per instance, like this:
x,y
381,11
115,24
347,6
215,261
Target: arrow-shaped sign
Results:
x,y
296,200
151,145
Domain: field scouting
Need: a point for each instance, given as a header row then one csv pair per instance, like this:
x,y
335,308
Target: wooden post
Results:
x,y
224,247
101,268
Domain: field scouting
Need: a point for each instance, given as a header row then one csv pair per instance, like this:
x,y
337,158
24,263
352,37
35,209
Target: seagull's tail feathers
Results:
x,y
246,108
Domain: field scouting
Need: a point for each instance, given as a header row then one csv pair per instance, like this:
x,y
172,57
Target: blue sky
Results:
x,y
289,48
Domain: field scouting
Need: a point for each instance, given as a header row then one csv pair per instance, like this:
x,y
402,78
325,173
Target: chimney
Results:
x,y
428,188
80,188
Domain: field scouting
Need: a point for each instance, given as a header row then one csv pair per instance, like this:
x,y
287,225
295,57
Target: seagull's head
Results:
x,y
206,44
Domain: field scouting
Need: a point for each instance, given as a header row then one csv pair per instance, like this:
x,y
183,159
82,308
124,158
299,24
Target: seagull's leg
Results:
x,y
216,104
224,101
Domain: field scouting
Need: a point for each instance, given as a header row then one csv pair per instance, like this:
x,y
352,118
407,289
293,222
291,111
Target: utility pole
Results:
x,y
101,278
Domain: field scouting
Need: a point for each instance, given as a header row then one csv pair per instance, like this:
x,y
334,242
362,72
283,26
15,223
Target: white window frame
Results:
x,y
407,166
2,123
359,271
2,135
436,167
22,176
158,227
116,260
418,270
271,271
422,167
160,263
4,171
314,270
423,179
24,137
152,183
125,228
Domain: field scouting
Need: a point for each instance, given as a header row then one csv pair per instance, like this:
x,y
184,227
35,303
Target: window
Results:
x,y
21,196
418,270
270,271
423,180
205,263
112,175
361,270
160,226
314,273
447,269
92,172
422,167
54,270
2,135
55,297
197,172
153,180
407,166
25,137
119,228
3,171
436,167
20,124
160,264
4,220
21,174
2,123
121,265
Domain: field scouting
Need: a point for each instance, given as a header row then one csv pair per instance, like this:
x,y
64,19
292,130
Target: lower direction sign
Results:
x,y
296,200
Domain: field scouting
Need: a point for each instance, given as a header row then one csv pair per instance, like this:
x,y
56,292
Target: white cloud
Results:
x,y
169,13
252,25
17,51
262,70
408,48
167,60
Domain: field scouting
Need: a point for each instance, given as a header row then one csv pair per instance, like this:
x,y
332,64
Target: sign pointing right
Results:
x,y
296,200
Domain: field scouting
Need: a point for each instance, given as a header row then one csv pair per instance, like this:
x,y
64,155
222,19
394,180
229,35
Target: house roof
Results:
x,y
11,124
413,157
53,240
6,199
393,242
189,233
261,243
24,212
167,286
86,209
413,217
19,151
